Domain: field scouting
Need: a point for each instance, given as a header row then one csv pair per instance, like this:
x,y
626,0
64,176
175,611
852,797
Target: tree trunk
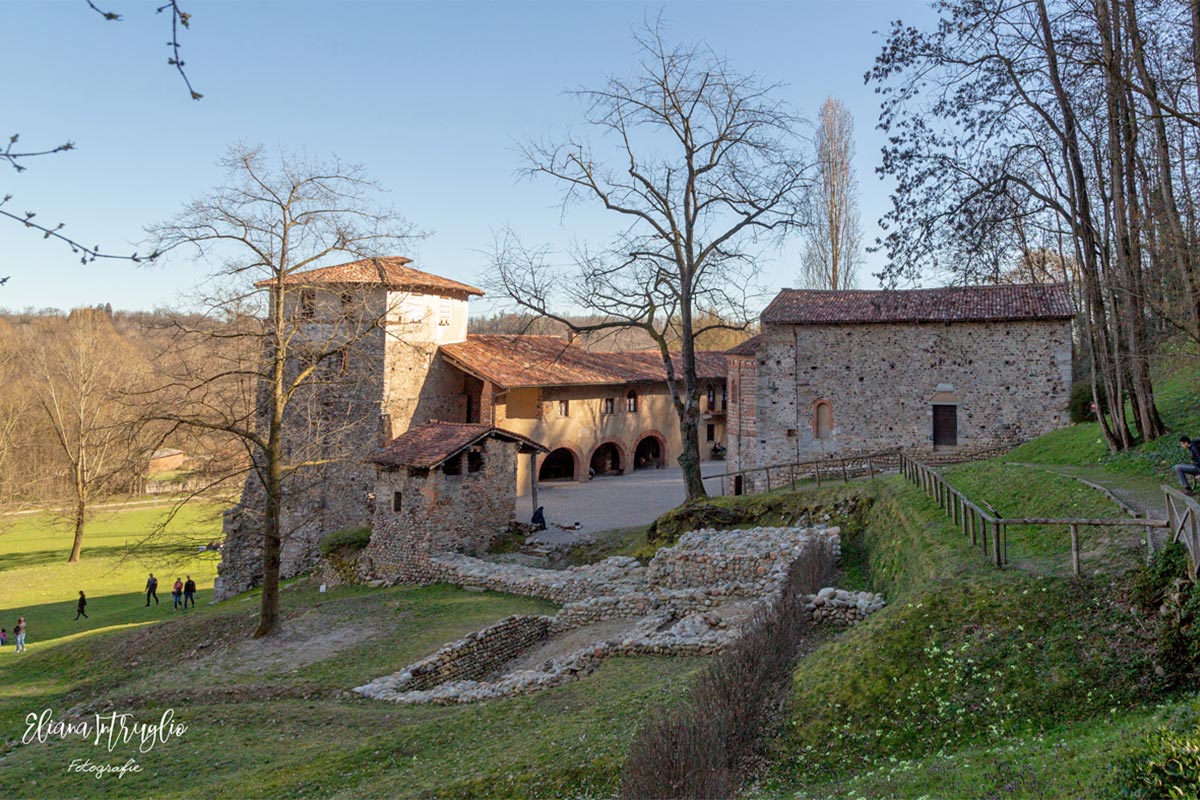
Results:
x,y
689,460
80,521
268,621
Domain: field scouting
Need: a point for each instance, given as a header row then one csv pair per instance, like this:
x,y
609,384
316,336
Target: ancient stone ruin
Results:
x,y
692,599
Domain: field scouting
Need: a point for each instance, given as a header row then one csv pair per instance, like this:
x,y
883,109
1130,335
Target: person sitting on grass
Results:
x,y
3,637
1183,470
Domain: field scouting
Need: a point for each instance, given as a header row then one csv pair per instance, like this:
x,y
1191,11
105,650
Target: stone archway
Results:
x,y
561,464
650,451
608,458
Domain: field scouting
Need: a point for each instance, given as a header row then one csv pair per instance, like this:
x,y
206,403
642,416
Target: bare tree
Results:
x,y
833,245
256,366
85,377
698,164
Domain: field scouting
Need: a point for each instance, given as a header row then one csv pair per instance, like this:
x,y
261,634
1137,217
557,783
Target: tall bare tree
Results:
x,y
85,381
699,166
833,245
255,366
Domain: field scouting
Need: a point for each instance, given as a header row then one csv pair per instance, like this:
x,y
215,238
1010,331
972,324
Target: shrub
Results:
x,y
1166,764
1080,404
345,542
1155,580
693,750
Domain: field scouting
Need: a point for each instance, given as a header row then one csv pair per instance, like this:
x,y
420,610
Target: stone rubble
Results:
x,y
691,600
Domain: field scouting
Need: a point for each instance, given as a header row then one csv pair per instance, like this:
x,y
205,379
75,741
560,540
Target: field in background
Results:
x,y
120,548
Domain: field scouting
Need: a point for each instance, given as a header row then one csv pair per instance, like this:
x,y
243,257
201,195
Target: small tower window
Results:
x,y
453,465
474,460
609,405
396,505
564,408
444,308
823,419
631,402
712,398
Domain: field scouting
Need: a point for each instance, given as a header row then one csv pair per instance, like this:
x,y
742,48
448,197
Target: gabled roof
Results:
x,y
526,361
428,445
951,304
391,272
746,348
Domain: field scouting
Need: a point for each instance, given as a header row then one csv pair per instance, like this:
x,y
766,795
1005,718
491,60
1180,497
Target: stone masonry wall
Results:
x,y
477,654
333,415
1010,381
743,391
441,513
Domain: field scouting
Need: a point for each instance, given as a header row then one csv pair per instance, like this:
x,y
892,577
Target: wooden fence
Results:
x,y
1183,523
982,526
821,470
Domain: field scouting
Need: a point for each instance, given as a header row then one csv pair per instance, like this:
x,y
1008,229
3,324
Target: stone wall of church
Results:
x,y
742,411
1008,381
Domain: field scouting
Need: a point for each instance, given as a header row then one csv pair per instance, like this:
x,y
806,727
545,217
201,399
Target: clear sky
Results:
x,y
431,98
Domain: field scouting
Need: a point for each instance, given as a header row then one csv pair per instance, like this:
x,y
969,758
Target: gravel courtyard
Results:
x,y
608,502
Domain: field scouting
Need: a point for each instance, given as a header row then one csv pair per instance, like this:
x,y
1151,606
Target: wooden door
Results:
x,y
945,426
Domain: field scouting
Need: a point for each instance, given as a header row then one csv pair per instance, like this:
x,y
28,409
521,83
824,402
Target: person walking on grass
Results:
x,y
151,589
177,594
19,632
1183,470
3,637
79,609
189,592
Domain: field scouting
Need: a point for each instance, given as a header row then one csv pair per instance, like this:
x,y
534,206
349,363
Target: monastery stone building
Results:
x,y
831,373
959,370
601,413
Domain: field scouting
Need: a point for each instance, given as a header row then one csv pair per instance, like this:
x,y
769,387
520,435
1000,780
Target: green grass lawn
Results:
x,y
36,581
275,718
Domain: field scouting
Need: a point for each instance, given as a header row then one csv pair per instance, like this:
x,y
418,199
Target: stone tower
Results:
x,y
384,378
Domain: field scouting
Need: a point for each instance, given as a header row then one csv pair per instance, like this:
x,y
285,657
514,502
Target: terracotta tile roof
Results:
x,y
521,361
392,272
951,304
746,348
430,444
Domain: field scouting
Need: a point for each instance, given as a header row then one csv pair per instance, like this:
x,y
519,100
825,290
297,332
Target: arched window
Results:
x,y
823,419
631,402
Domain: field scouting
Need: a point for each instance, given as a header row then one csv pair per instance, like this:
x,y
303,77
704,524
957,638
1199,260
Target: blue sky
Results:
x,y
432,98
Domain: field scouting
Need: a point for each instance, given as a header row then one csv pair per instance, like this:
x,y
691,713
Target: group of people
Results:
x,y
18,633
183,592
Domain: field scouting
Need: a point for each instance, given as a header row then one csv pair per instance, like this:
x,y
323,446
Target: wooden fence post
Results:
x,y
845,475
1075,550
997,549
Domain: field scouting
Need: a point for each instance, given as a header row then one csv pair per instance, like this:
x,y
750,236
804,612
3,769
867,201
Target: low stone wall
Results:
x,y
692,600
759,556
840,606
473,657
655,635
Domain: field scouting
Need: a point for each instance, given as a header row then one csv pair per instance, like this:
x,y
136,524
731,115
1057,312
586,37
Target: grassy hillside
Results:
x,y
275,718
973,682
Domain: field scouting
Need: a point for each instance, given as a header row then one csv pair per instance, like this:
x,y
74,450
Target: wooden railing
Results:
x,y
983,526
821,470
1183,522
